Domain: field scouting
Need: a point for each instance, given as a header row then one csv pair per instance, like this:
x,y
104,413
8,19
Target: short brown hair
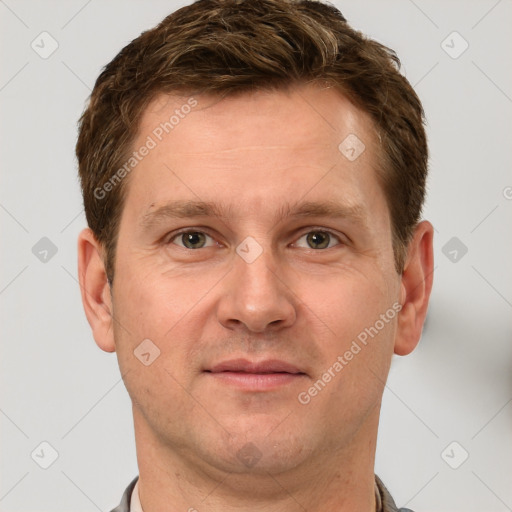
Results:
x,y
226,47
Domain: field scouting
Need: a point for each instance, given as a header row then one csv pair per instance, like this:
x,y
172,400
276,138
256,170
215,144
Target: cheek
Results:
x,y
167,308
356,354
350,302
152,302
358,326
152,333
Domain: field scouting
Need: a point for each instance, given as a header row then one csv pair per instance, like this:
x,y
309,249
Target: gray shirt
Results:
x,y
384,500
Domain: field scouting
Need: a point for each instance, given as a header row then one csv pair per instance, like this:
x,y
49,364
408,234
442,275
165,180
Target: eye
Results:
x,y
319,239
190,239
315,239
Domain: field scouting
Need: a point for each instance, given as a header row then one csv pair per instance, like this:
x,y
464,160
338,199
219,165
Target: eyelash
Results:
x,y
310,230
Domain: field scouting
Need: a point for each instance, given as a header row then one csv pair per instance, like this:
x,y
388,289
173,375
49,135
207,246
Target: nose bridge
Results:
x,y
257,269
255,295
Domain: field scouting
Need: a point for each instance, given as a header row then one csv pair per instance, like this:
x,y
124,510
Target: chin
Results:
x,y
262,449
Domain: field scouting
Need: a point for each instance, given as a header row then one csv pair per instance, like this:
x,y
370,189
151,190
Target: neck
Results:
x,y
172,479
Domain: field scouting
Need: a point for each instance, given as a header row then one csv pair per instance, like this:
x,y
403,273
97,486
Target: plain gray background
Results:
x,y
450,399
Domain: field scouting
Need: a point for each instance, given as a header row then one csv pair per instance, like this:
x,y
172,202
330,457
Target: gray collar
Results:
x,y
383,499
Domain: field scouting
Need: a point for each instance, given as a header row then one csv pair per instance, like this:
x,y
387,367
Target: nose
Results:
x,y
256,296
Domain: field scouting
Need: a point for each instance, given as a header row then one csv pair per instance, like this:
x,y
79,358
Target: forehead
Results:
x,y
253,147
313,116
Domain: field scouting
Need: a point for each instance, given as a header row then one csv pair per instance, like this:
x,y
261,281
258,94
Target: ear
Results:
x,y
415,290
95,290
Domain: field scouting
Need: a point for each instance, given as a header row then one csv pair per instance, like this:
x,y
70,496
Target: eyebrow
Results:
x,y
195,209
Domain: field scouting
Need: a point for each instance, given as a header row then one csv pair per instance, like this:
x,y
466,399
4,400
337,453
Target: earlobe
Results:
x,y
95,290
415,290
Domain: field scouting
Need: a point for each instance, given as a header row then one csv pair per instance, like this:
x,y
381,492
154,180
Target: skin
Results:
x,y
297,302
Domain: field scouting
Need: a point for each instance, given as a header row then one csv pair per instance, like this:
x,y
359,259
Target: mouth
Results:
x,y
255,376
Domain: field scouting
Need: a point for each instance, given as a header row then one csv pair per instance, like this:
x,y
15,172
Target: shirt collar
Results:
x,y
384,501
135,505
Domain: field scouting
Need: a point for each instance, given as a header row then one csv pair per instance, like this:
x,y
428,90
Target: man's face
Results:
x,y
256,280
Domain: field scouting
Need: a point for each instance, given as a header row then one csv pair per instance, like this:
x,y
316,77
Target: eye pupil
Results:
x,y
190,240
318,237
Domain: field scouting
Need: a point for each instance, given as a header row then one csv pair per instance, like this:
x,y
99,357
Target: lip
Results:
x,y
262,367
255,376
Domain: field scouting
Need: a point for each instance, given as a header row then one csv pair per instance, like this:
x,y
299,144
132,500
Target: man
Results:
x,y
253,176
